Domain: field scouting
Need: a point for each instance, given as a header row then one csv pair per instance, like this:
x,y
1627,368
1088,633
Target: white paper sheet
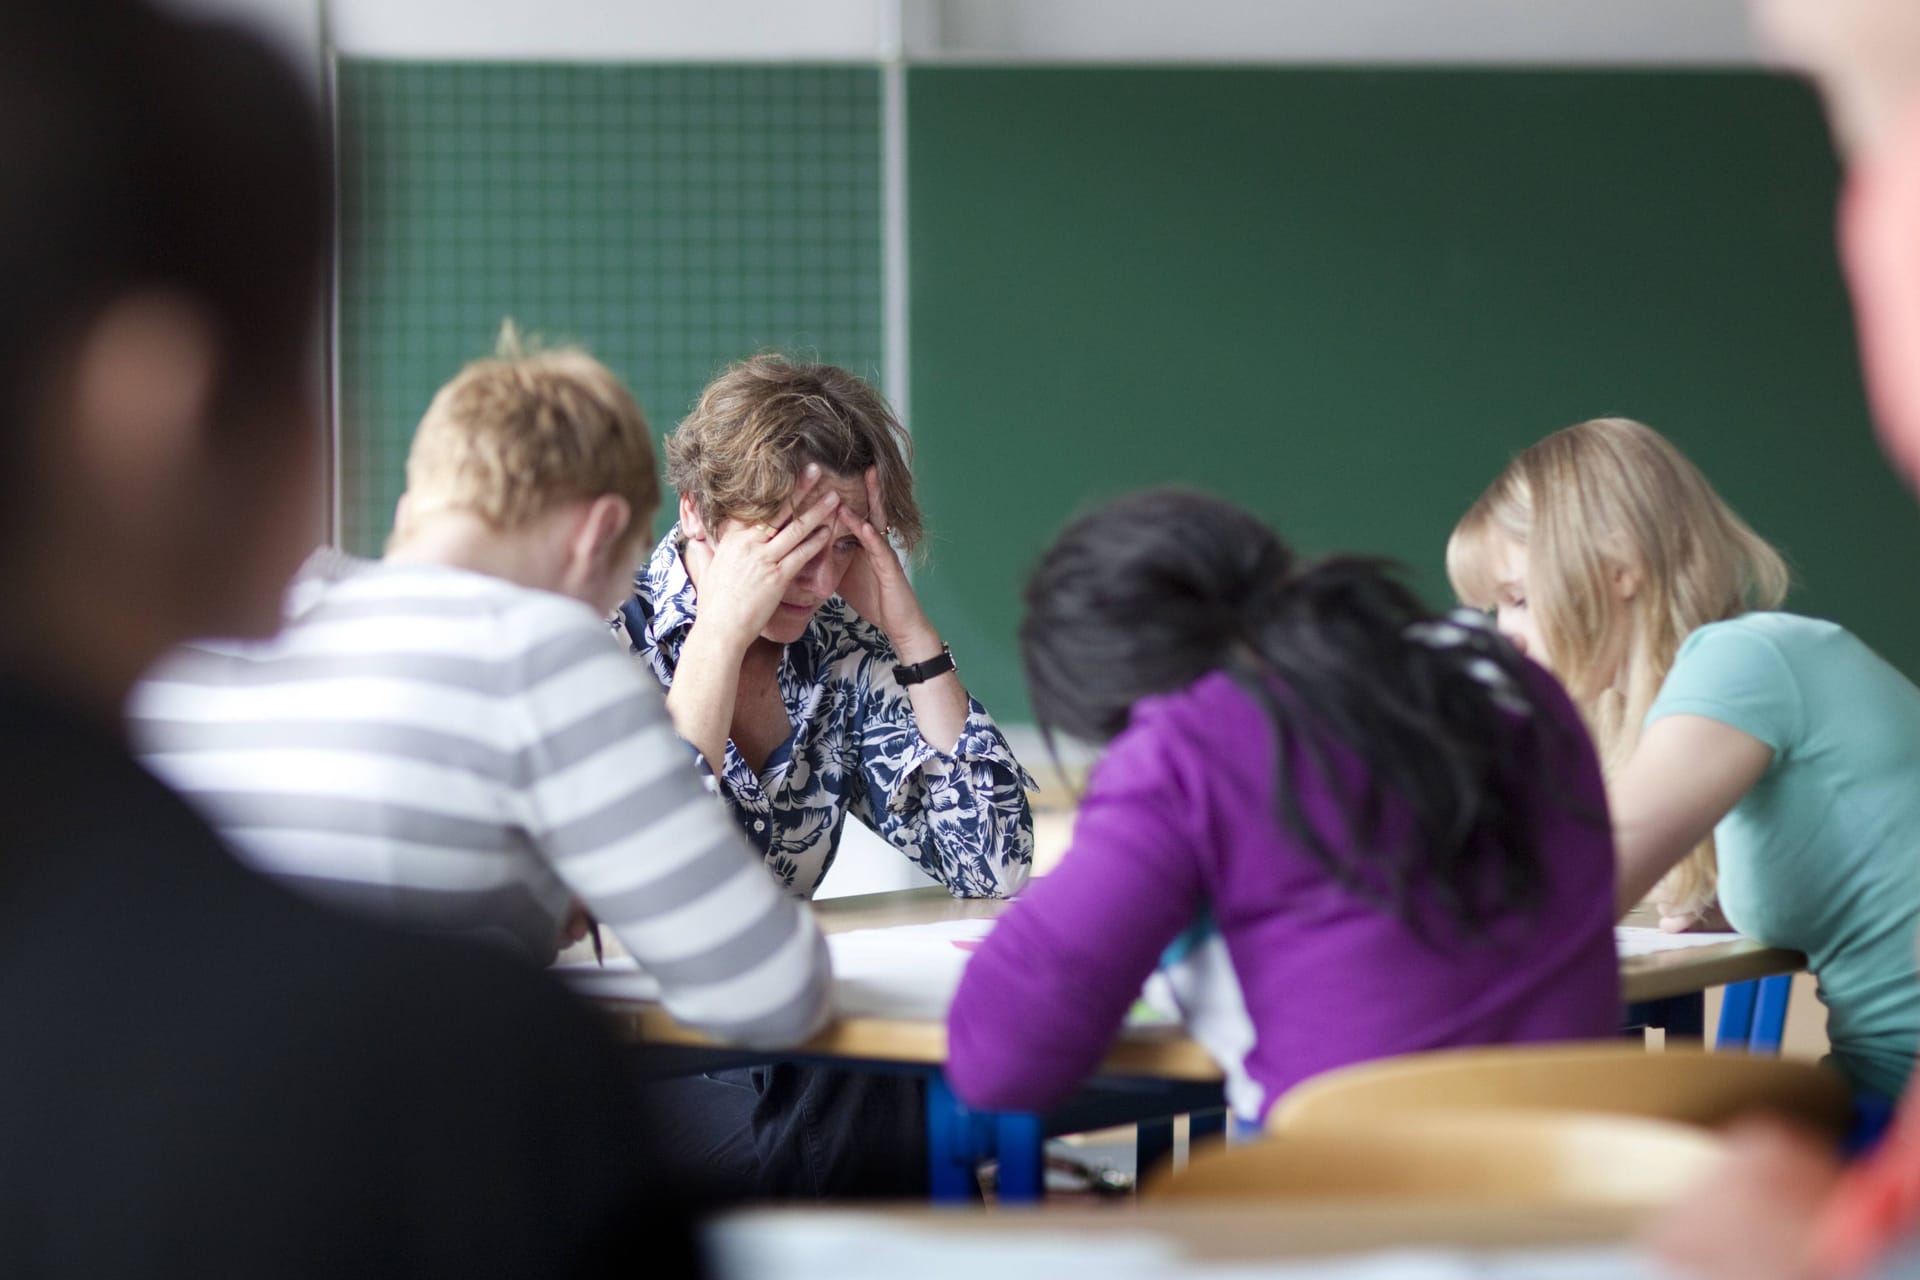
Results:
x,y
1633,940
909,972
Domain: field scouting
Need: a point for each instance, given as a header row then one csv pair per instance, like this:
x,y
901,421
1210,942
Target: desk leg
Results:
x,y
1023,1158
1685,1016
1680,1016
1152,1144
1153,1139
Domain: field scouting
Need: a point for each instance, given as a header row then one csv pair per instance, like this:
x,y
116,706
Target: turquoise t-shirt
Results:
x,y
1823,854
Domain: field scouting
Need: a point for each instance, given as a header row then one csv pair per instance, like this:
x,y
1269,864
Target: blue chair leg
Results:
x,y
1770,1014
1736,1016
1023,1158
957,1140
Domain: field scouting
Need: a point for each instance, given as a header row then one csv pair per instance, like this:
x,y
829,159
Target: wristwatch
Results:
x,y
938,665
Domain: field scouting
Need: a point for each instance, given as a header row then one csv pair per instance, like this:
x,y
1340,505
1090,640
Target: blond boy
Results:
x,y
449,737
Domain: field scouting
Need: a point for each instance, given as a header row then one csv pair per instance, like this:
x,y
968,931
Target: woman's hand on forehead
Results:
x,y
812,486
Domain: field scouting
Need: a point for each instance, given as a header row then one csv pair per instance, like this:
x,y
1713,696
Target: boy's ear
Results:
x,y
603,527
690,522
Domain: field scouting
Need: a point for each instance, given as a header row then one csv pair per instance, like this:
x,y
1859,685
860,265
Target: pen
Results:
x,y
599,955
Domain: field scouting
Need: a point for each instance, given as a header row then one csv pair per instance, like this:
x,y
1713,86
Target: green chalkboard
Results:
x,y
670,218
1345,298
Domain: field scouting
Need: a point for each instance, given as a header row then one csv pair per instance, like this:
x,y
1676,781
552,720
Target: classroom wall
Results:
x,y
1344,298
670,218
1342,295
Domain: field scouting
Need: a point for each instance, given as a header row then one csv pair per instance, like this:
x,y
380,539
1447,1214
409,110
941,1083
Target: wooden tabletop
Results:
x,y
1162,1053
1681,972
1233,1233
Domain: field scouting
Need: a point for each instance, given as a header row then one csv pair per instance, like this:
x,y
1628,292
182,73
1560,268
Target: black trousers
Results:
x,y
787,1132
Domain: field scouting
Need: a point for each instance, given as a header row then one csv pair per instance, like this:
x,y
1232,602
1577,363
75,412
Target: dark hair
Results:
x,y
140,150
1149,593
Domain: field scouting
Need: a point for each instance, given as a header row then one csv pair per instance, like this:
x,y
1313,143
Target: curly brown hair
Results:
x,y
737,455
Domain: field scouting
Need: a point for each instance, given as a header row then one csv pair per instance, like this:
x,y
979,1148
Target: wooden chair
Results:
x,y
1686,1085
1503,1158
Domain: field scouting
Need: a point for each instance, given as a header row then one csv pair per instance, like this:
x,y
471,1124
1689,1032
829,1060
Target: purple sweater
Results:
x,y
1292,975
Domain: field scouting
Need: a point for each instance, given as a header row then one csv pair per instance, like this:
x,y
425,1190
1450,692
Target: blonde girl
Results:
x,y
1763,755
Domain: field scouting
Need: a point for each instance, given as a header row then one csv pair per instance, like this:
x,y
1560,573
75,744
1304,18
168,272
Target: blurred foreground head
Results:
x,y
163,212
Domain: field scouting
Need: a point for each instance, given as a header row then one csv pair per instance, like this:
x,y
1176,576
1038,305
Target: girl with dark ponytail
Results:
x,y
1328,824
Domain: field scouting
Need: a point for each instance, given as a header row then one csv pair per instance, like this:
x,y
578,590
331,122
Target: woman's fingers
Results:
x,y
795,558
806,522
809,480
874,543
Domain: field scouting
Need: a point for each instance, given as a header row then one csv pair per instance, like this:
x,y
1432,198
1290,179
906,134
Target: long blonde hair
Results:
x,y
1629,550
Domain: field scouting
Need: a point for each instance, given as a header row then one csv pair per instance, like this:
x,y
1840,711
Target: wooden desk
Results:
x,y
1677,973
1160,1053
1186,1078
1666,974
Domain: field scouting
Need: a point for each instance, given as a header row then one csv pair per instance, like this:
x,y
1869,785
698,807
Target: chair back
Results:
x,y
1465,1157
1685,1085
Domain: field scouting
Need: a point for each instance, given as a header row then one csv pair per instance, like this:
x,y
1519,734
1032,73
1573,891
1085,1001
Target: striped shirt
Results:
x,y
464,754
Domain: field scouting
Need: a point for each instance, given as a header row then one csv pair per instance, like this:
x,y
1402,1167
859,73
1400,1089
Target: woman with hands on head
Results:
x,y
764,583
799,662
796,655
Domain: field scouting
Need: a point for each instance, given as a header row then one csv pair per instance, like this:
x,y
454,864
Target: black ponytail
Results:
x,y
1152,592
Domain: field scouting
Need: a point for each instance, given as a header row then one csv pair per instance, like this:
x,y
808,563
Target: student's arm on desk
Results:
x,y
627,824
1043,998
1687,773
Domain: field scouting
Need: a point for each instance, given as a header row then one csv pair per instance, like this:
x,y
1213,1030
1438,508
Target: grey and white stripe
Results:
x,y
459,753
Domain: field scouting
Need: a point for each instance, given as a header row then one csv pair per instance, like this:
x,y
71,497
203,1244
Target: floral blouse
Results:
x,y
962,816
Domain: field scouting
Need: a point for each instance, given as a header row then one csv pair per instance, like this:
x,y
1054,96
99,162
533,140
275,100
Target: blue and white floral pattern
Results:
x,y
961,817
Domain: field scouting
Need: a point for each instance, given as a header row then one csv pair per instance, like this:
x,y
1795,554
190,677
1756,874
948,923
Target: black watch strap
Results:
x,y
938,665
